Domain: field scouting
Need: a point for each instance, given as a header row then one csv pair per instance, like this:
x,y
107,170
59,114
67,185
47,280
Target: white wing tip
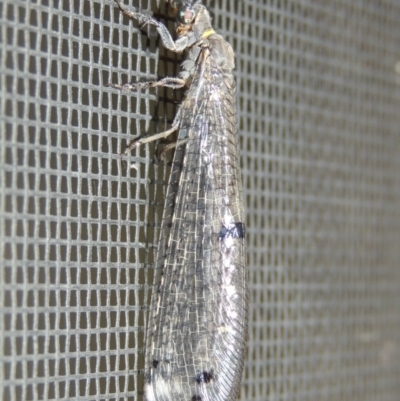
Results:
x,y
149,392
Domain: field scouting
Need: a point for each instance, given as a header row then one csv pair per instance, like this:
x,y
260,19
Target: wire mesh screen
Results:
x,y
319,122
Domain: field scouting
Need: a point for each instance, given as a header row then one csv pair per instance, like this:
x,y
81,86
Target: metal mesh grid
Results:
x,y
318,99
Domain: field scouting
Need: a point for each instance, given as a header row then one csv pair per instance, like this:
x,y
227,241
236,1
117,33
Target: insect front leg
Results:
x,y
169,82
162,30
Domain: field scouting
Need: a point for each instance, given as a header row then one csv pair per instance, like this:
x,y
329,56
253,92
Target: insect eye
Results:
x,y
186,15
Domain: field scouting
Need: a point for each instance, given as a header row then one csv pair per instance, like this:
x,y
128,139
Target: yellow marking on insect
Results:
x,y
207,33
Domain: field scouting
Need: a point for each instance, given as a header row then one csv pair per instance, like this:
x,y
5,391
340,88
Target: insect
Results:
x,y
197,325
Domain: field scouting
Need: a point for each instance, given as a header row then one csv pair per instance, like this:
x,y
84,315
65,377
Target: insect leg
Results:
x,y
174,83
140,141
162,30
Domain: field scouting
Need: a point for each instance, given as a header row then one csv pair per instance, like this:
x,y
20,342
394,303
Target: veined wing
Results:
x,y
197,328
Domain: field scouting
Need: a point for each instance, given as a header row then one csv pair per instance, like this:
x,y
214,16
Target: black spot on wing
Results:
x,y
236,230
205,377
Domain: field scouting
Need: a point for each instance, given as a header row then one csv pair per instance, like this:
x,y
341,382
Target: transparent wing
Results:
x,y
197,330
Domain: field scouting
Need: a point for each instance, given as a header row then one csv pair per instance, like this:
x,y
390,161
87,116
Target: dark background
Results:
x,y
318,111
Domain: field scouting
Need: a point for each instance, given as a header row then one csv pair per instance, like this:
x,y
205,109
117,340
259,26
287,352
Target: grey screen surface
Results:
x,y
319,124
